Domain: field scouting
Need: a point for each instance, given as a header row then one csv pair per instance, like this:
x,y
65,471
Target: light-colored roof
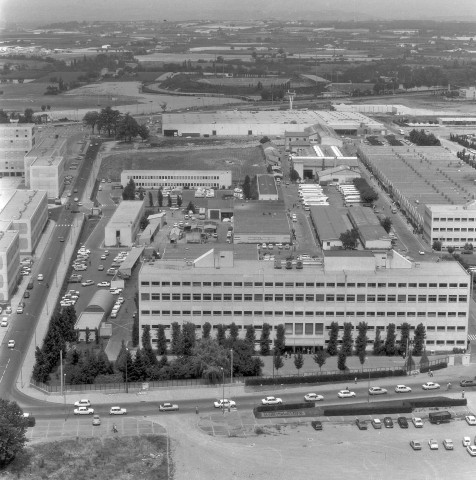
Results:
x,y
126,213
102,301
6,239
260,217
90,320
266,185
22,204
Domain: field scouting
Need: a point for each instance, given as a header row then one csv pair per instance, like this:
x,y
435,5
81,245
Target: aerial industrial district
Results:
x,y
273,287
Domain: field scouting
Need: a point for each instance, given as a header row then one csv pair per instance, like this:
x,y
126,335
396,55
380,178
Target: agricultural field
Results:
x,y
241,161
246,81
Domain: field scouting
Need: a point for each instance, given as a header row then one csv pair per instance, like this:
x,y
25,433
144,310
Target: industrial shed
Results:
x,y
124,224
94,314
372,235
329,223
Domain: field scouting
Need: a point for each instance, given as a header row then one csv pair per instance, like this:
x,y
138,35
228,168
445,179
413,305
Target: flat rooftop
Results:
x,y
241,251
6,239
47,161
125,213
22,204
265,217
266,185
329,222
48,147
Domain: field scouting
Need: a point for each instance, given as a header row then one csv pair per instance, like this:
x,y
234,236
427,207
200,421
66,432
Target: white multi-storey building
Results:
x,y
350,287
9,260
16,140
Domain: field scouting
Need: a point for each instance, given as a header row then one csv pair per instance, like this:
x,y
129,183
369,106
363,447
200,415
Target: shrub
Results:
x,y
369,409
437,366
437,402
288,406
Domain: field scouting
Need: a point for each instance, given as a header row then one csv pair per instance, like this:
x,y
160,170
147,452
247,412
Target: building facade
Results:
x,y
124,224
154,179
9,261
16,140
216,289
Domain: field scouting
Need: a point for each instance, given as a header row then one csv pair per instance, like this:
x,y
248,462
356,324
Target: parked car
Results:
x,y
19,309
417,422
430,386
402,422
40,277
100,268
117,411
415,444
84,402
104,284
361,424
224,403
313,397
470,419
271,401
96,420
169,407
26,294
377,391
8,310
466,441
345,394
11,343
402,389
376,423
87,283
448,444
471,449
316,425
4,322
83,411
467,383
388,422
433,444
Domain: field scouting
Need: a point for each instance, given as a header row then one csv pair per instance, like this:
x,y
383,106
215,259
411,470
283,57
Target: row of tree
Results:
x,y
423,139
113,123
367,193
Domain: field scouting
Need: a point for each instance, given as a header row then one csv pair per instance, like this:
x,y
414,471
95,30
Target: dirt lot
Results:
x,y
242,161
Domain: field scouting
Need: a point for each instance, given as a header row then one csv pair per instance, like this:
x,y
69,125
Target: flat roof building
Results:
x,y
350,287
328,224
372,235
124,224
28,212
267,189
9,260
16,140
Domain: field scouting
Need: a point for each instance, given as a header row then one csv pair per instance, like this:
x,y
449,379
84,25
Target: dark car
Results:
x,y
361,424
402,422
467,383
316,425
26,294
388,422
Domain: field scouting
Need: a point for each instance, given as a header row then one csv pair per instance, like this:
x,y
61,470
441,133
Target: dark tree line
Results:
x,y
423,139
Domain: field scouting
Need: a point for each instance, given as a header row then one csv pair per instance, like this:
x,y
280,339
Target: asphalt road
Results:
x,y
22,326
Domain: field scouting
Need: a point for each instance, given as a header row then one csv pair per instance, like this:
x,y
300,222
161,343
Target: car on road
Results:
x,y
271,401
430,386
448,444
96,420
111,271
316,425
471,449
76,199
433,444
402,422
346,394
26,294
8,309
313,397
402,389
168,407
377,391
417,422
11,343
87,283
83,411
388,422
376,423
40,277
117,411
467,383
421,252
4,322
100,268
361,424
104,284
470,419
19,309
103,257
466,441
84,402
224,403
415,444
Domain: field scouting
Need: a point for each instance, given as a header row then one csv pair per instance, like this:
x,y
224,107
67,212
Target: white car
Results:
x,y
313,397
8,309
87,283
417,422
466,441
402,389
117,411
116,291
224,403
433,444
430,386
104,284
4,322
421,252
470,419
11,343
83,411
40,277
168,407
20,309
346,394
120,300
377,391
471,449
271,401
448,444
103,257
84,402
84,250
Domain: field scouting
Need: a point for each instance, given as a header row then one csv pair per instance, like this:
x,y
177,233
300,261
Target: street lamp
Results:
x,y
127,358
223,394
368,388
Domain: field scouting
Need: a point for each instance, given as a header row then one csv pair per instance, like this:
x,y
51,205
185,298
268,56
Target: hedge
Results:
x,y
324,378
398,406
437,402
437,366
287,406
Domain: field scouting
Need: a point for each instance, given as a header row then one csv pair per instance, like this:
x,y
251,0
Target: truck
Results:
x,y
439,417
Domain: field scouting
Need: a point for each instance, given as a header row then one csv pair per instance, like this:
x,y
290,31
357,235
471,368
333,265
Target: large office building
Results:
x,y
28,212
9,260
16,140
150,179
349,287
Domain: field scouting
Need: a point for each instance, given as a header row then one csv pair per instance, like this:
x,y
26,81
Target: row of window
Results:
x,y
308,297
146,283
173,177
453,229
291,313
449,219
450,239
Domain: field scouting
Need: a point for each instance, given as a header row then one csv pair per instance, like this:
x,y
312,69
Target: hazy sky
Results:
x,y
47,11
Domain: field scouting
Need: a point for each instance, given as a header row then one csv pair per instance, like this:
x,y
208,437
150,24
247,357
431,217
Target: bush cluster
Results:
x,y
437,402
426,368
287,406
369,409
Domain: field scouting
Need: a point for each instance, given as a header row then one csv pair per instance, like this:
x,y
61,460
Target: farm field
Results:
x,y
241,161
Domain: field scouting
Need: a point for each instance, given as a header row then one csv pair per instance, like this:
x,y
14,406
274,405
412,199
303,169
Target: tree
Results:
x,y
169,200
149,355
378,343
349,239
244,361
294,175
341,360
90,119
143,132
250,335
424,360
298,361
246,187
151,200
160,198
135,331
333,336
28,116
280,342
129,192
347,340
127,127
191,207
361,340
176,344
437,246
278,361
108,120
320,358
221,334
4,117
161,340
12,432
233,335
207,328
386,224
179,201
264,341
404,337
163,106
390,339
189,339
208,359
419,339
